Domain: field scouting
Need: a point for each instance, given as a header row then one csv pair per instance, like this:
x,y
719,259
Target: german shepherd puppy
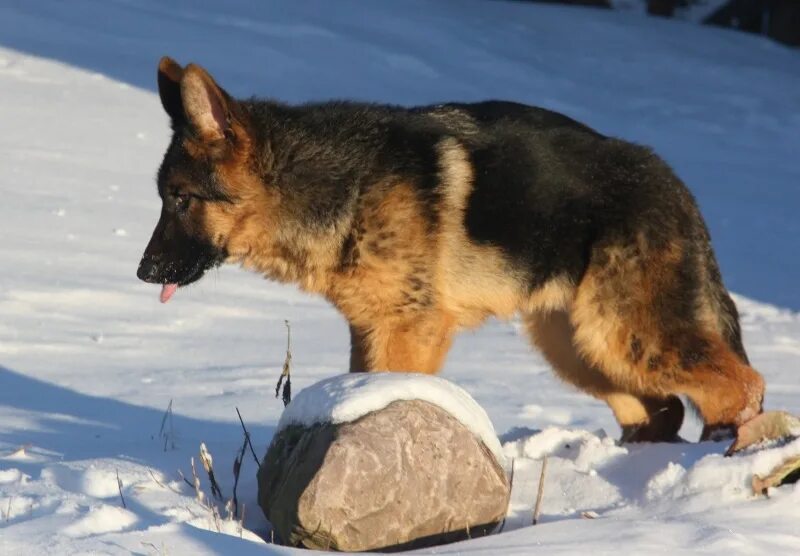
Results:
x,y
416,223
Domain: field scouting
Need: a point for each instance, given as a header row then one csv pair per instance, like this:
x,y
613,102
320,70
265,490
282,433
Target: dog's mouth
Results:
x,y
194,274
172,273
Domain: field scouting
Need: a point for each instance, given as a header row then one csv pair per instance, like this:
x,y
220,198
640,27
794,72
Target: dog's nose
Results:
x,y
148,270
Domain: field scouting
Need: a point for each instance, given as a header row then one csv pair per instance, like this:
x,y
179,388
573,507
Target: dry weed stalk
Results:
x,y
7,513
230,506
540,494
155,549
119,486
167,430
164,485
201,496
247,437
215,516
208,465
237,470
286,372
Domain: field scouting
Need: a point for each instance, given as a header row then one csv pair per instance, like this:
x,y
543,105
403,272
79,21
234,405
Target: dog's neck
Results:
x,y
318,184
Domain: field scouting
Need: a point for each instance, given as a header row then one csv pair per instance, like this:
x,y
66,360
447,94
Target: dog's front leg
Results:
x,y
358,351
417,344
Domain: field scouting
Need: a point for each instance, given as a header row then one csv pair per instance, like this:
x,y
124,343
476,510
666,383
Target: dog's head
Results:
x,y
208,183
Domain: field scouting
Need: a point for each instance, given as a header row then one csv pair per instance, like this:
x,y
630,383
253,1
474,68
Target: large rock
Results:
x,y
404,476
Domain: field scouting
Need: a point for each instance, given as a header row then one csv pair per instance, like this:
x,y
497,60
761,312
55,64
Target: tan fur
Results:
x,y
395,327
552,333
201,101
612,311
628,409
390,245
643,418
615,331
419,344
253,240
171,69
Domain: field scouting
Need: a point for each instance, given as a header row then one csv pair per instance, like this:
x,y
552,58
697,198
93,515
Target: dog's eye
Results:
x,y
181,201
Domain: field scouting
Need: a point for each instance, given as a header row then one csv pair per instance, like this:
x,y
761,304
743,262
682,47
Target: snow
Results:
x,y
101,519
345,398
90,360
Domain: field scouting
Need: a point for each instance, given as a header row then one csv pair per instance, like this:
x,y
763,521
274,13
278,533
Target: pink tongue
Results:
x,y
167,291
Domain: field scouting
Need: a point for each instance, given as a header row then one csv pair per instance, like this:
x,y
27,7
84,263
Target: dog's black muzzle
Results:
x,y
177,262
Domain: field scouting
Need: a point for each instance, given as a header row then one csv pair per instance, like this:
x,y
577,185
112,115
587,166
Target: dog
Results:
x,y
418,222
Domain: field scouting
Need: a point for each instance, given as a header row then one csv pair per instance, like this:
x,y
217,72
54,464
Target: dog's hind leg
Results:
x,y
647,419
552,333
642,419
650,319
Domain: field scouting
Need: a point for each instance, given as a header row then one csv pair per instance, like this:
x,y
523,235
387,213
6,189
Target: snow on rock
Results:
x,y
345,398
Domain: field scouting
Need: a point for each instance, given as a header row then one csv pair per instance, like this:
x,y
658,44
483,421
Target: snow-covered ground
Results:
x,y
89,360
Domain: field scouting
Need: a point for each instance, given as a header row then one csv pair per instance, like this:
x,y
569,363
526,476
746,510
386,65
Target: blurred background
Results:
x,y
777,19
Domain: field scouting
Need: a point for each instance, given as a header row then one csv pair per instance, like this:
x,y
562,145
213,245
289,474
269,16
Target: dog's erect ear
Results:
x,y
169,88
205,104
